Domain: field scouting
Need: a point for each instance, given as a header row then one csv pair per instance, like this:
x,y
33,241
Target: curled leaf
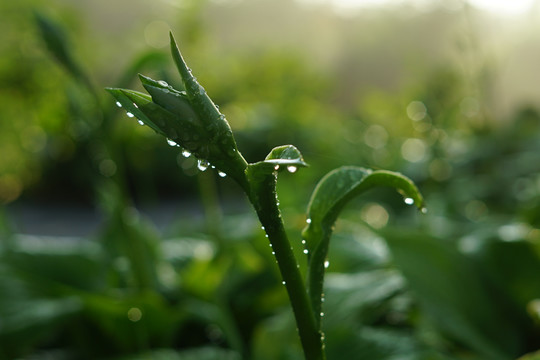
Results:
x,y
328,199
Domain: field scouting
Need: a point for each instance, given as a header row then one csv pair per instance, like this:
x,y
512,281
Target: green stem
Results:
x,y
263,198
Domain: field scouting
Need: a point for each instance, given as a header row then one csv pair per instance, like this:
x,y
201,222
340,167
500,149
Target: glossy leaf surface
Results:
x,y
328,199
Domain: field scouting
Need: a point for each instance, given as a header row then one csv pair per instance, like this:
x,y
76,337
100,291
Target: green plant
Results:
x,y
189,119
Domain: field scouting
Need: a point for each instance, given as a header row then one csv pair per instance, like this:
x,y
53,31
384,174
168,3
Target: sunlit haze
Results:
x,y
501,7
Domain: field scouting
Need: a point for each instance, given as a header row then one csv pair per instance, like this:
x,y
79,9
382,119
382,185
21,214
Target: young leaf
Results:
x,y
169,98
328,199
210,116
285,155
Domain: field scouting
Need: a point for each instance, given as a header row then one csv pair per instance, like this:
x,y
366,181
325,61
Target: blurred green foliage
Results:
x,y
458,283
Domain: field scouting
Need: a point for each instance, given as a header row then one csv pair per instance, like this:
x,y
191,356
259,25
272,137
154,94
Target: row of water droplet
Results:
x,y
202,164
290,168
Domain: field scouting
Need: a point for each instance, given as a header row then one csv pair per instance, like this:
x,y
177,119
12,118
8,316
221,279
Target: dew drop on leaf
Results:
x,y
163,83
171,142
326,264
186,153
283,282
118,104
129,114
221,174
292,169
409,201
424,210
140,122
306,251
308,221
202,164
276,167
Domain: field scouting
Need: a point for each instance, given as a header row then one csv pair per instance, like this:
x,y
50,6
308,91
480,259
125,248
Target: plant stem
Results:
x,y
263,198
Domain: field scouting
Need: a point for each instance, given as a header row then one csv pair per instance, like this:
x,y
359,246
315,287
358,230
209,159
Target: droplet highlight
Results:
x,y
276,167
186,153
409,201
140,122
118,104
203,165
129,114
292,169
171,142
222,174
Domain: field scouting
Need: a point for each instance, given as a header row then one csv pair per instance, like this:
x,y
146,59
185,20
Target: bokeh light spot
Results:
x,y
413,150
155,34
134,314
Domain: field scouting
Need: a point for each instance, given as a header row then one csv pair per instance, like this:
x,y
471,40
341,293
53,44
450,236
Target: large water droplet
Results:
x,y
292,169
171,142
129,114
186,153
118,104
203,164
222,174
140,122
409,201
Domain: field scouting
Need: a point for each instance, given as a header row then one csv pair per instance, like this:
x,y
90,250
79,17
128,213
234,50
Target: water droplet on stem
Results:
x,y
186,153
292,169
